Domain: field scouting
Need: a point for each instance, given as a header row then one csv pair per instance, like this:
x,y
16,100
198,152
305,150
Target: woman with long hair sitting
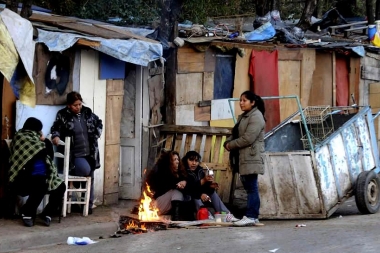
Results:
x,y
168,182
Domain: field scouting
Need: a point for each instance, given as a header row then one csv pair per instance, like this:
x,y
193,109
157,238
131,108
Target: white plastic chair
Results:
x,y
69,181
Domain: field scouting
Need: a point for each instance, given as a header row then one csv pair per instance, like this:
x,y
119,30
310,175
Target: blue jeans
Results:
x,y
253,198
83,169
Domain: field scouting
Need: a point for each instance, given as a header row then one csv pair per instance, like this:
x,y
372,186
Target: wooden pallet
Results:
x,y
351,27
208,142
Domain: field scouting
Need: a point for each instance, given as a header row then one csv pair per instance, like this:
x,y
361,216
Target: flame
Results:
x,y
147,212
131,224
135,227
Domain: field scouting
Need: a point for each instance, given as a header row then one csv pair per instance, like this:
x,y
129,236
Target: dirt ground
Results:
x,y
346,231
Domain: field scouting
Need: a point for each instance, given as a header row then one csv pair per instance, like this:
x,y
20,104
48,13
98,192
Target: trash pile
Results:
x,y
331,28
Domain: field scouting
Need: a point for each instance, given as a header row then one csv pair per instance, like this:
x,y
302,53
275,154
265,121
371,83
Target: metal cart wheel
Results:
x,y
367,193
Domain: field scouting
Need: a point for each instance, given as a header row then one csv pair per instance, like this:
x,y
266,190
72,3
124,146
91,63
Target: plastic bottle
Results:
x,y
233,35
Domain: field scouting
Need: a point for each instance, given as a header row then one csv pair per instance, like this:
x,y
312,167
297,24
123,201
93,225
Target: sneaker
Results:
x,y
248,222
47,221
28,221
244,222
258,223
231,218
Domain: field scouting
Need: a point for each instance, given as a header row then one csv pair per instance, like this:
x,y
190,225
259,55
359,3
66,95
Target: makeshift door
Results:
x,y
131,132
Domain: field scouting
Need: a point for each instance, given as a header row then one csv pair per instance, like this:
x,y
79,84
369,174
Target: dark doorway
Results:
x,y
224,76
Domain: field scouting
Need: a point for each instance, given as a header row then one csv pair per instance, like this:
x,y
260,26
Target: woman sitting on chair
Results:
x,y
32,172
84,127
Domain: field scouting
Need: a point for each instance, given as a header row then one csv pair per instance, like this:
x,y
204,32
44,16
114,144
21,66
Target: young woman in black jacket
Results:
x,y
203,186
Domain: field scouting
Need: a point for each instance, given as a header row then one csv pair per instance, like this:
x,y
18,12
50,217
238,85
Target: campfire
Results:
x,y
148,219
147,211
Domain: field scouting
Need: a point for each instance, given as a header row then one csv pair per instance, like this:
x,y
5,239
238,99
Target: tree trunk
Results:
x,y
170,11
377,10
369,9
277,5
319,8
305,20
12,5
261,8
346,7
26,10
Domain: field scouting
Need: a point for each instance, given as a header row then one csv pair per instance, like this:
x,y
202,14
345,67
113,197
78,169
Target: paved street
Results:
x,y
346,231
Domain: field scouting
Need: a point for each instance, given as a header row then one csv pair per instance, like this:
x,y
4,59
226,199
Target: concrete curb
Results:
x,y
11,243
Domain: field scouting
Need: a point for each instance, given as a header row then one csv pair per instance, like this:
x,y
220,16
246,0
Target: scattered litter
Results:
x,y
300,225
273,250
79,241
179,248
115,235
340,216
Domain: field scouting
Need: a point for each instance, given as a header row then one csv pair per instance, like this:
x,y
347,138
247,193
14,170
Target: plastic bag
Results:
x,y
376,39
79,241
275,14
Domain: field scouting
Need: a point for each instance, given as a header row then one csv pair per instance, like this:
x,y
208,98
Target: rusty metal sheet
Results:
x,y
339,163
353,151
364,137
326,176
288,189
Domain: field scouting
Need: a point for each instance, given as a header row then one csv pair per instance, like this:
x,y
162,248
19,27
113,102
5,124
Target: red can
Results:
x,y
202,213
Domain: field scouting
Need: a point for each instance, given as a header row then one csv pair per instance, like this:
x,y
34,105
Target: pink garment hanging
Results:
x,y
263,70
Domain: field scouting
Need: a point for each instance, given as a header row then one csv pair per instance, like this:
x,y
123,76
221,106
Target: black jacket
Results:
x,y
197,189
64,126
161,180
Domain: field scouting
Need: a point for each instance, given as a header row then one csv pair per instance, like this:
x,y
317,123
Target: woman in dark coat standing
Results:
x,y
84,127
246,146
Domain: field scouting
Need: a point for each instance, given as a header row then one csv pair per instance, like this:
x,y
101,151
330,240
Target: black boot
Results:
x,y
175,210
187,210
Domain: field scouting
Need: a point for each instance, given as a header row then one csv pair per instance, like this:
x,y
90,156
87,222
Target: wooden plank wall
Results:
x,y
302,72
41,59
93,91
354,79
190,60
242,79
114,104
374,101
296,68
208,142
8,109
194,82
370,67
290,80
322,88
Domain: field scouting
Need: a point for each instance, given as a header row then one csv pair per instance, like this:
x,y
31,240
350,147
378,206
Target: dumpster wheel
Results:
x,y
367,195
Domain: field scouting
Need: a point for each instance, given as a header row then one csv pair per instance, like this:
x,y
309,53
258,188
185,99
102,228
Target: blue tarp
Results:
x,y
264,32
134,51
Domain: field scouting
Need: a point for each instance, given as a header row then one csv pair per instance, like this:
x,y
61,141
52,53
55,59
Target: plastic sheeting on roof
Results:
x,y
134,51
